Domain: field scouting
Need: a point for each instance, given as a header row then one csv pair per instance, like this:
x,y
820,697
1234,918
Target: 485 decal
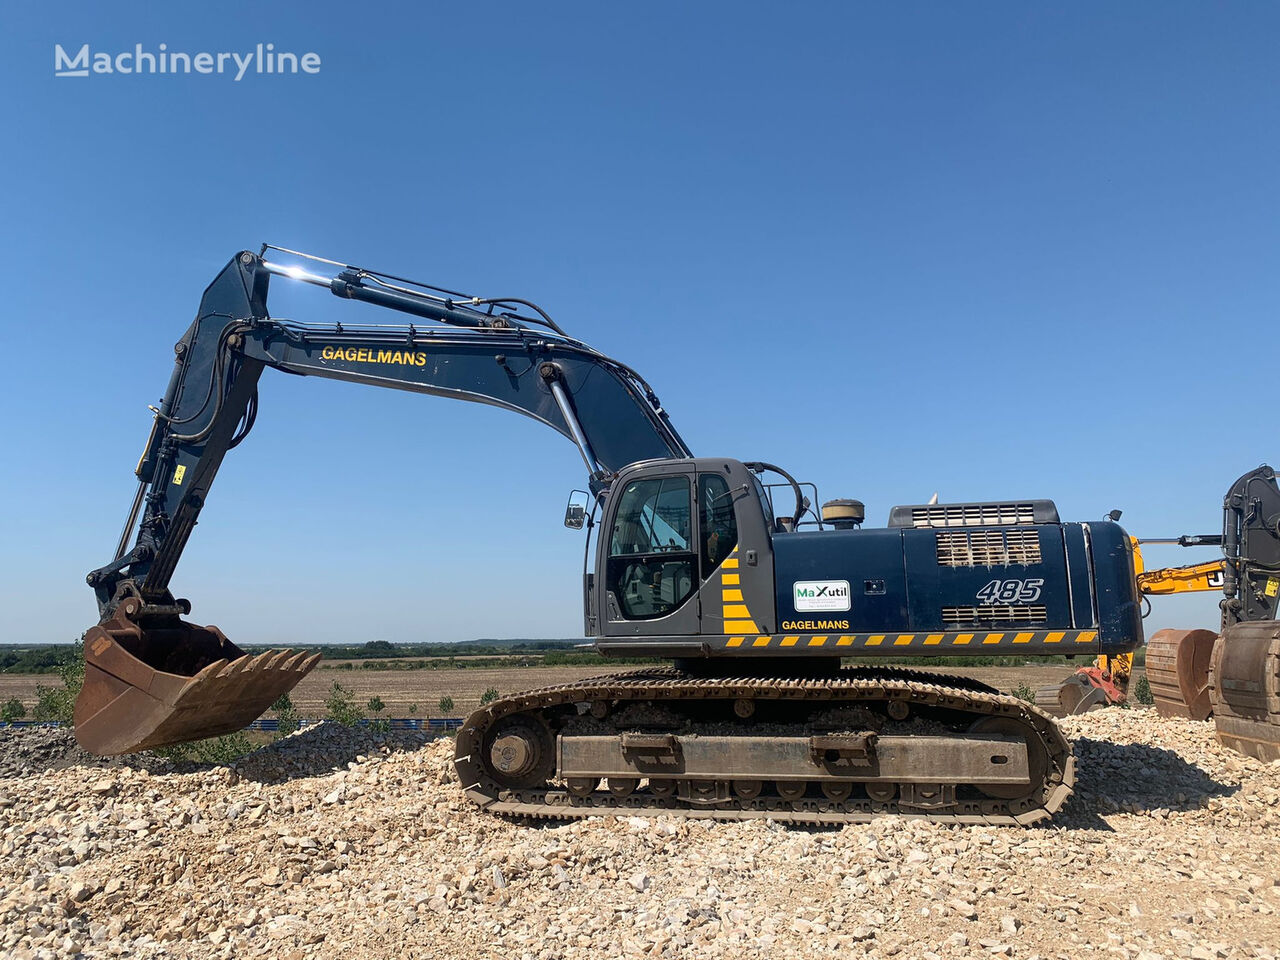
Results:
x,y
1012,591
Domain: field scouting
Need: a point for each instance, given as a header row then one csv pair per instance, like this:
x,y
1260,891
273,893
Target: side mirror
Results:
x,y
1114,515
575,511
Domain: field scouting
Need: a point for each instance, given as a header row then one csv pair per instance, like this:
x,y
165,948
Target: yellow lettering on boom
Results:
x,y
408,358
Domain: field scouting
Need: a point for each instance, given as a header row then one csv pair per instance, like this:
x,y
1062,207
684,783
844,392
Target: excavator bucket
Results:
x,y
151,679
1245,688
1178,672
1074,695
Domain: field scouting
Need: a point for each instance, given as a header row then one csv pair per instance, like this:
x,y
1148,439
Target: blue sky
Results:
x,y
989,250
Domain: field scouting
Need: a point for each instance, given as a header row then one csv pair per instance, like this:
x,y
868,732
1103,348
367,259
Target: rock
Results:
x,y
963,909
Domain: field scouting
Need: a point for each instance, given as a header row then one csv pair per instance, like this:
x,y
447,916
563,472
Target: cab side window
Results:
x,y
651,558
717,523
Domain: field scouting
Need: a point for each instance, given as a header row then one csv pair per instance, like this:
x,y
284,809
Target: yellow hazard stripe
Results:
x,y
743,628
731,595
730,564
731,579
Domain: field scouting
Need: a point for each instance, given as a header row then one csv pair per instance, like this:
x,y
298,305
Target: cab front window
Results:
x,y
651,559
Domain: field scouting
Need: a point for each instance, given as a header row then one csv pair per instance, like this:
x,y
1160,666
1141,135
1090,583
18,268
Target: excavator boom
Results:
x,y
152,678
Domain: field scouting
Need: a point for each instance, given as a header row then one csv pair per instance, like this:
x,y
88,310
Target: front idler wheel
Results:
x,y
520,753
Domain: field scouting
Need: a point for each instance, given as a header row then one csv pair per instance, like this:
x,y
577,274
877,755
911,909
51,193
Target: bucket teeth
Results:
x,y
234,668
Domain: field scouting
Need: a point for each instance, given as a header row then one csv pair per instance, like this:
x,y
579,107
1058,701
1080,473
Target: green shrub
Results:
x,y
224,749
378,724
12,710
413,708
1142,691
56,704
489,695
286,714
340,706
216,750
1024,692
446,705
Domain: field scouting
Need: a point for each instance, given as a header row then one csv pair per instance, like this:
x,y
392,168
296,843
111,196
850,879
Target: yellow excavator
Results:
x,y
1232,675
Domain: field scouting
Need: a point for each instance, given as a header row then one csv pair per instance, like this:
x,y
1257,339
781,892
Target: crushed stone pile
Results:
x,y
342,843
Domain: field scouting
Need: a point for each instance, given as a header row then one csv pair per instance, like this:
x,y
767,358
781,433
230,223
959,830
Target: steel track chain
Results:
x,y
849,687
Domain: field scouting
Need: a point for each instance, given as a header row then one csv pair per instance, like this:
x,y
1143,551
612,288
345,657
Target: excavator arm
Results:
x,y
1193,578
151,677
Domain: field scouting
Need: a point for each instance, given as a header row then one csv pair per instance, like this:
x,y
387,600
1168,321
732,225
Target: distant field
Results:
x,y
399,690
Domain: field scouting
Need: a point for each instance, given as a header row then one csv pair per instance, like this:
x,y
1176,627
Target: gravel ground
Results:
x,y
335,843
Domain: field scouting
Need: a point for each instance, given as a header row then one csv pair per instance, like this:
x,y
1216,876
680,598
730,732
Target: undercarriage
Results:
x,y
841,748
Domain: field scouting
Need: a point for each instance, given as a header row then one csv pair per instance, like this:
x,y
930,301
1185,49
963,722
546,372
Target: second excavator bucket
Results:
x,y
1076,694
152,679
1178,672
1245,688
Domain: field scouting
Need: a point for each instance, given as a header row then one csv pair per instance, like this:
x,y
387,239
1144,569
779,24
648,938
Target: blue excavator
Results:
x,y
727,568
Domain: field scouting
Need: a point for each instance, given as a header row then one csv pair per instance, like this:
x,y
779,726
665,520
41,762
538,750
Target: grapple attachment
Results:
x,y
1245,687
152,679
1178,672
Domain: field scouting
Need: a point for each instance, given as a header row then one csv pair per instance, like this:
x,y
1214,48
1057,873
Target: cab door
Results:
x,y
735,553
649,562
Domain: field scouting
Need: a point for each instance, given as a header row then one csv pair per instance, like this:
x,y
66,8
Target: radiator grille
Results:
x,y
987,548
996,613
972,515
